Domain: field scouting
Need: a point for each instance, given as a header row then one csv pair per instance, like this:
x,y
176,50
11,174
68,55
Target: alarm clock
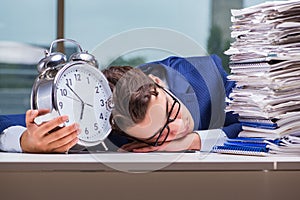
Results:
x,y
77,88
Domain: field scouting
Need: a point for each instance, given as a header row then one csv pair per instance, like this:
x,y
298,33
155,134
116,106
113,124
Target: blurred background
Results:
x,y
28,27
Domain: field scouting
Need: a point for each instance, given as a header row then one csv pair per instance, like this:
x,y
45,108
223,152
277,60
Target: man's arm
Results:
x,y
210,138
11,120
11,129
36,138
10,139
203,140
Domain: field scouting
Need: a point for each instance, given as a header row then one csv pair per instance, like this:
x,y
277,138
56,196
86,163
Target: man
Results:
x,y
181,95
161,111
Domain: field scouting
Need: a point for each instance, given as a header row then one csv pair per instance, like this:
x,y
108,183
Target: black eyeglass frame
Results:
x,y
166,125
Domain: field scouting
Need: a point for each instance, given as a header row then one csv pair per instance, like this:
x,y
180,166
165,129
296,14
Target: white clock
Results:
x,y
76,88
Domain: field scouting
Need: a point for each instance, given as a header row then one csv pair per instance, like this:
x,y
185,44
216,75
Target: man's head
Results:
x,y
144,109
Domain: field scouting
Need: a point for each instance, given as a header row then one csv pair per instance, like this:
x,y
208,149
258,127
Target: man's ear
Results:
x,y
157,80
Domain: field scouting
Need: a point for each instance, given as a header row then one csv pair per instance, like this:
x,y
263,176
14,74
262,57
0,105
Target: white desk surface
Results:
x,y
145,161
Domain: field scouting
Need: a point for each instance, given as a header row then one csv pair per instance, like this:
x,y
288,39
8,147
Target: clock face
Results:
x,y
82,92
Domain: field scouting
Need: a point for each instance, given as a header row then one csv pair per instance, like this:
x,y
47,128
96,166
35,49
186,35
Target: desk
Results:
x,y
134,175
145,162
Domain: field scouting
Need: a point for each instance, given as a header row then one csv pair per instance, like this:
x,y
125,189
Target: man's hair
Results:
x,y
132,90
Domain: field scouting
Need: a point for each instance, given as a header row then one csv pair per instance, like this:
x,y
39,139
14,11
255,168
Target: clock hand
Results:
x,y
82,102
77,96
89,104
73,99
75,93
82,109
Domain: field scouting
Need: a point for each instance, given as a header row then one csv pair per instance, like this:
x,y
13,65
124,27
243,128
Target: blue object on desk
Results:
x,y
11,120
245,146
260,125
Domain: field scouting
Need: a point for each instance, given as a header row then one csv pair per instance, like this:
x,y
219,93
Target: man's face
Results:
x,y
166,118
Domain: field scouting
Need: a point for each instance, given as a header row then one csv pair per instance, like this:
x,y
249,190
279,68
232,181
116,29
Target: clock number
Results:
x,y
102,103
63,92
96,126
86,131
77,77
97,89
61,105
88,80
101,116
69,81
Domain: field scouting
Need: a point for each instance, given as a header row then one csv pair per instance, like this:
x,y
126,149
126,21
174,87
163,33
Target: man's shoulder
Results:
x,y
183,64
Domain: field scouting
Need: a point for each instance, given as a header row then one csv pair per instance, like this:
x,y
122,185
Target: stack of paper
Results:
x,y
287,145
246,146
254,146
265,64
268,29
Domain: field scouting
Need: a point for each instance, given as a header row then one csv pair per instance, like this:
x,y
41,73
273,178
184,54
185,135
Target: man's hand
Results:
x,y
189,142
37,139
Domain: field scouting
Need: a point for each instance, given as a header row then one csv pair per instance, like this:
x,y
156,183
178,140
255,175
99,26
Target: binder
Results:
x,y
246,146
240,150
254,146
260,125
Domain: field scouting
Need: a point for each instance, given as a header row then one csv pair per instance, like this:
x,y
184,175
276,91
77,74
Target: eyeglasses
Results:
x,y
171,117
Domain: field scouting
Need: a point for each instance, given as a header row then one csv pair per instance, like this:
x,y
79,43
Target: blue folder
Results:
x,y
245,146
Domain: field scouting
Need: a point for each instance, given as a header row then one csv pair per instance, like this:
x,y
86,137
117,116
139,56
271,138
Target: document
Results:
x,y
265,65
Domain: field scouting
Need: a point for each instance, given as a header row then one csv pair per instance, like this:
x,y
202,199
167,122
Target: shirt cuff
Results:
x,y
210,138
10,139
